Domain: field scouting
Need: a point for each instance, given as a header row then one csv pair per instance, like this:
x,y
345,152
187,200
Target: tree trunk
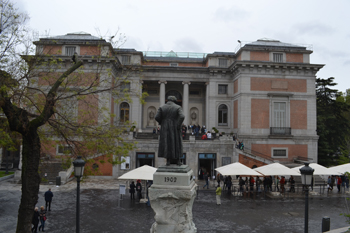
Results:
x,y
30,180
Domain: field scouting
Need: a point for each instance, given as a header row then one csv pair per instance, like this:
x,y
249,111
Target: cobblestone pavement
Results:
x,y
101,210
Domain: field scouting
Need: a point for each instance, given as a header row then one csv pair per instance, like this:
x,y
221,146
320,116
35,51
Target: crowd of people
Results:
x,y
339,181
257,184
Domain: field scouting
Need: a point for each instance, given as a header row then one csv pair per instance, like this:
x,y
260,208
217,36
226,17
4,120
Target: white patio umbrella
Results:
x,y
141,173
276,169
318,169
235,169
341,168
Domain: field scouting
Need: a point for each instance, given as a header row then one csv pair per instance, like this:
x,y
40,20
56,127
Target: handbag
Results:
x,y
44,218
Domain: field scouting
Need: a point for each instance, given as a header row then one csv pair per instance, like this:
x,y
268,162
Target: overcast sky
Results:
x,y
206,26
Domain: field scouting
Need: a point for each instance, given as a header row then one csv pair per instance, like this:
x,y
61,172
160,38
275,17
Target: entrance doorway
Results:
x,y
144,159
206,163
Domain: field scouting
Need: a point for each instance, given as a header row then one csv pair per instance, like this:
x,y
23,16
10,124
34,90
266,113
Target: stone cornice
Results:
x,y
274,68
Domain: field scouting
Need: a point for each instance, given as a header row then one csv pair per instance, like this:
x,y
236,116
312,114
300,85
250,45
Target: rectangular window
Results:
x,y
125,165
144,159
279,153
222,89
278,57
174,64
125,60
223,62
125,86
64,150
279,114
70,50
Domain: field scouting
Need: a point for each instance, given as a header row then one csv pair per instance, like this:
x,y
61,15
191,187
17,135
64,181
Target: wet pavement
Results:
x,y
101,210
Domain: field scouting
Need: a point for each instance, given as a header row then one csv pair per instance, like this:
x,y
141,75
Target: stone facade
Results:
x,y
263,94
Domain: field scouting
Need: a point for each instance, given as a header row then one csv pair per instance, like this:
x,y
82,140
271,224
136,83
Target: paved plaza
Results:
x,y
102,212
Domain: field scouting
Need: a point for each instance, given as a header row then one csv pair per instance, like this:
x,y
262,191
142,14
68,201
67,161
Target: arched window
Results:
x,y
124,112
222,114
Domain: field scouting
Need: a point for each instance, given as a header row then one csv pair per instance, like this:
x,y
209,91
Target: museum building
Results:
x,y
262,95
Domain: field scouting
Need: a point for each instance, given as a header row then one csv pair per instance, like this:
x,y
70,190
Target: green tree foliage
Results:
x,y
332,125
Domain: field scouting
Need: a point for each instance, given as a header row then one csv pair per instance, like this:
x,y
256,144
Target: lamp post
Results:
x,y
306,178
78,172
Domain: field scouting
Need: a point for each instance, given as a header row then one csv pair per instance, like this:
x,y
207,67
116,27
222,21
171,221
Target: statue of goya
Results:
x,y
170,117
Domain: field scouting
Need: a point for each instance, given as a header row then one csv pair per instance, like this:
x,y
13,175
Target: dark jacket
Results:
x,y
42,214
132,188
48,195
35,219
138,187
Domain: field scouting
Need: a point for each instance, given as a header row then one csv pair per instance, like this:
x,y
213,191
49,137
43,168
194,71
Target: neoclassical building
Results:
x,y
263,94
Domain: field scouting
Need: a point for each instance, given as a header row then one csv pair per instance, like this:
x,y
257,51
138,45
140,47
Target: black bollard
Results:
x,y
326,224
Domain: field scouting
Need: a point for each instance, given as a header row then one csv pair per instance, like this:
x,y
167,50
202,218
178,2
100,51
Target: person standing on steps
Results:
x,y
206,178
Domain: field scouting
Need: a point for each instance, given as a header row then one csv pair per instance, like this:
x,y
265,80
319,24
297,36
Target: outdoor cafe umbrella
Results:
x,y
318,169
235,169
341,168
141,173
276,169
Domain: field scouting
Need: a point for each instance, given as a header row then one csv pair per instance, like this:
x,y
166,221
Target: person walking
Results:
x,y
338,183
218,195
282,182
48,199
206,178
329,184
139,189
277,181
42,215
132,190
35,220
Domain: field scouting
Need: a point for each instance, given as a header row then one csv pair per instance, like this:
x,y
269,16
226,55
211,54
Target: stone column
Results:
x,y
162,93
206,106
172,195
185,101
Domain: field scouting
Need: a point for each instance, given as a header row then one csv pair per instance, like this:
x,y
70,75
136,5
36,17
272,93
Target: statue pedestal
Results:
x,y
172,195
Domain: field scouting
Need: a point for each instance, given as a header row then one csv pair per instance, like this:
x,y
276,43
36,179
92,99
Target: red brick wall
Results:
x,y
235,87
75,79
294,57
235,114
90,50
260,114
298,114
259,56
293,150
52,49
249,162
277,84
88,110
104,169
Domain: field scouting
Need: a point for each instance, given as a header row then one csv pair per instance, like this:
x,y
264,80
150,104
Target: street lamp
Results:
x,y
306,179
78,172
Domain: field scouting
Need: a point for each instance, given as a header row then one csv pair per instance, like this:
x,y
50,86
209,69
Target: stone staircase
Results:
x,y
49,171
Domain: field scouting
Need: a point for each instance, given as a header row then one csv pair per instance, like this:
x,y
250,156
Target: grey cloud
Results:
x,y
346,63
313,28
230,14
187,45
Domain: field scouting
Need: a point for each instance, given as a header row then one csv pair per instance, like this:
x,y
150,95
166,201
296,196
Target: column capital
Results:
x,y
160,82
187,82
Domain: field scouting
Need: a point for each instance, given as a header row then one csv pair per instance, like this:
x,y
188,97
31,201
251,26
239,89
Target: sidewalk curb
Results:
x,y
7,177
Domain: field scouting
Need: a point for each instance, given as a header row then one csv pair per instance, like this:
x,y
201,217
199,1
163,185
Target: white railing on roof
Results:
x,y
174,54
